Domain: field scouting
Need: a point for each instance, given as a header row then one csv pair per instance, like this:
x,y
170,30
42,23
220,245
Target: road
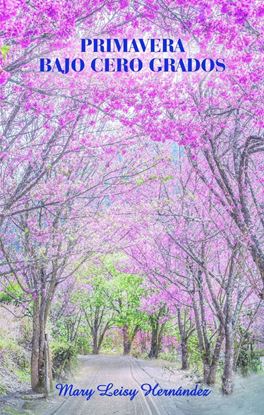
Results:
x,y
131,373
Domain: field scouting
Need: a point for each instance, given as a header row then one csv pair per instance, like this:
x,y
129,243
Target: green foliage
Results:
x,y
109,345
23,375
259,352
13,294
2,390
167,178
15,359
169,356
193,349
4,50
63,356
248,360
7,344
142,180
117,293
13,353
25,337
125,295
95,295
83,344
63,328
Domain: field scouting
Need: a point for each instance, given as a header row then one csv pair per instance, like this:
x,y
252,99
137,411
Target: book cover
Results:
x,y
131,207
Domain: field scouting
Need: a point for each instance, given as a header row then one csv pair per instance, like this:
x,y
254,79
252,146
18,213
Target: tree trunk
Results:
x,y
211,378
95,342
35,346
206,368
227,379
41,378
47,368
126,341
154,348
184,354
42,357
184,339
95,349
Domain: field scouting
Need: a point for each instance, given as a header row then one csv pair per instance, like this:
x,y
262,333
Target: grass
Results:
x,y
13,352
15,363
8,345
9,410
2,390
23,375
169,356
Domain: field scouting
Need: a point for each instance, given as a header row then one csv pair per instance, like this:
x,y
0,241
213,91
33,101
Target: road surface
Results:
x,y
131,373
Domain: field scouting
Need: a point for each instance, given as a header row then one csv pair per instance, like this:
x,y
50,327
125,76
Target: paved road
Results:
x,y
131,374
